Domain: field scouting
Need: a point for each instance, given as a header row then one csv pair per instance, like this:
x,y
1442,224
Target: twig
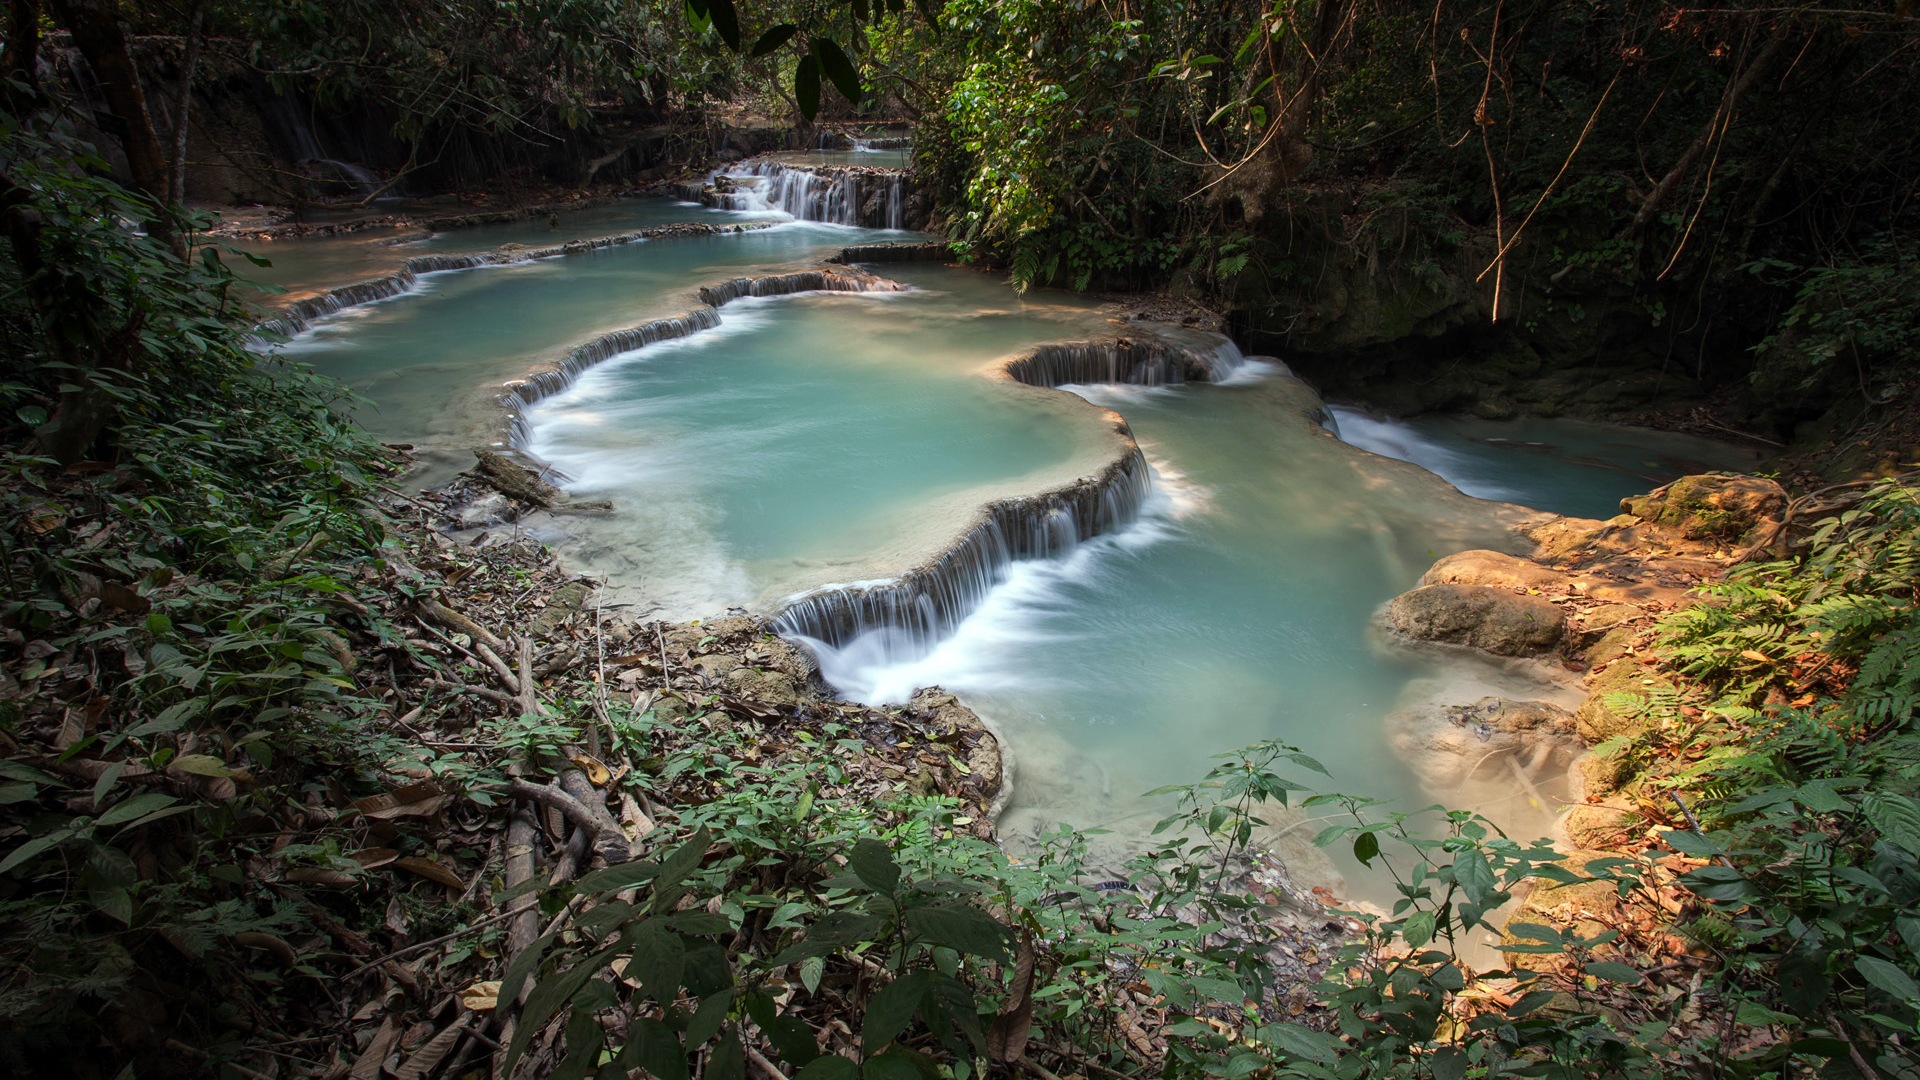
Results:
x,y
760,1061
529,693
499,666
546,795
498,917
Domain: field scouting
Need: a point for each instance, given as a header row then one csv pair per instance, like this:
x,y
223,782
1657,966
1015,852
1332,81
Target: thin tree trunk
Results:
x,y
1724,114
183,103
97,33
23,42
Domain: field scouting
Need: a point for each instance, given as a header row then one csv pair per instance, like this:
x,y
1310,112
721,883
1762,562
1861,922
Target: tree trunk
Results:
x,y
183,104
95,25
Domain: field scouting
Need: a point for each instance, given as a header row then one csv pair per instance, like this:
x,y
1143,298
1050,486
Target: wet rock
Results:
x,y
1496,569
1493,620
1615,701
490,508
1712,506
943,714
1494,742
1603,774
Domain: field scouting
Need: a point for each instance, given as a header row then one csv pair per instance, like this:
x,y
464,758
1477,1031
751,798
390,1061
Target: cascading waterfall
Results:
x,y
906,617
915,611
1122,360
875,198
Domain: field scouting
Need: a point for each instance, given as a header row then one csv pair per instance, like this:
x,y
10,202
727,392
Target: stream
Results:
x,y
833,441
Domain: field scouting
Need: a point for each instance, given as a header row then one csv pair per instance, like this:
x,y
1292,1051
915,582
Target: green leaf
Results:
x,y
202,765
725,21
616,878
137,806
653,1046
708,1018
1221,990
890,1010
34,847
1448,1063
679,864
1300,1042
1418,929
898,1063
1691,843
1820,797
657,960
1366,847
829,1067
1474,876
1897,984
962,928
728,1059
873,863
1612,972
806,86
838,68
1897,817
774,38
11,793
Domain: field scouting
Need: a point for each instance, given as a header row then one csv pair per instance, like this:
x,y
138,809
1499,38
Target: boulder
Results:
x,y
1494,620
1496,569
1712,506
1615,700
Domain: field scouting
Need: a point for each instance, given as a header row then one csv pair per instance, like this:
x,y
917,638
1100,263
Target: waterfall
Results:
x,y
907,616
875,198
922,606
1122,360
931,251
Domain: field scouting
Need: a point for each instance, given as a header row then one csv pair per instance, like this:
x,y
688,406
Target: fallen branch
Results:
x,y
453,620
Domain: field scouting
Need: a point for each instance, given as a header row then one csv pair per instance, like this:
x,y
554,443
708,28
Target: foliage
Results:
x,y
171,617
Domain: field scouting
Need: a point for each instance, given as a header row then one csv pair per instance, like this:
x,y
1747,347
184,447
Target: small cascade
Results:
x,y
905,618
873,198
849,280
301,315
915,611
1123,360
931,251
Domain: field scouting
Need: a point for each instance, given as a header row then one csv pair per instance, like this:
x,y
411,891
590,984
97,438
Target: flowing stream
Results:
x,y
815,447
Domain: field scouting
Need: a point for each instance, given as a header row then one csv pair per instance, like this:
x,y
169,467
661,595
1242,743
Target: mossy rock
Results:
x,y
1603,774
1711,506
1494,620
1614,702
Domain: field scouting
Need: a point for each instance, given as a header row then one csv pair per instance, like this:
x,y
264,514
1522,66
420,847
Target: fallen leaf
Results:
x,y
481,996
421,799
368,858
432,871
596,772
318,875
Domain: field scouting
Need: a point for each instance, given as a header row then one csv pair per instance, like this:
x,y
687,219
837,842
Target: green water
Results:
x,y
432,362
305,266
813,439
835,438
